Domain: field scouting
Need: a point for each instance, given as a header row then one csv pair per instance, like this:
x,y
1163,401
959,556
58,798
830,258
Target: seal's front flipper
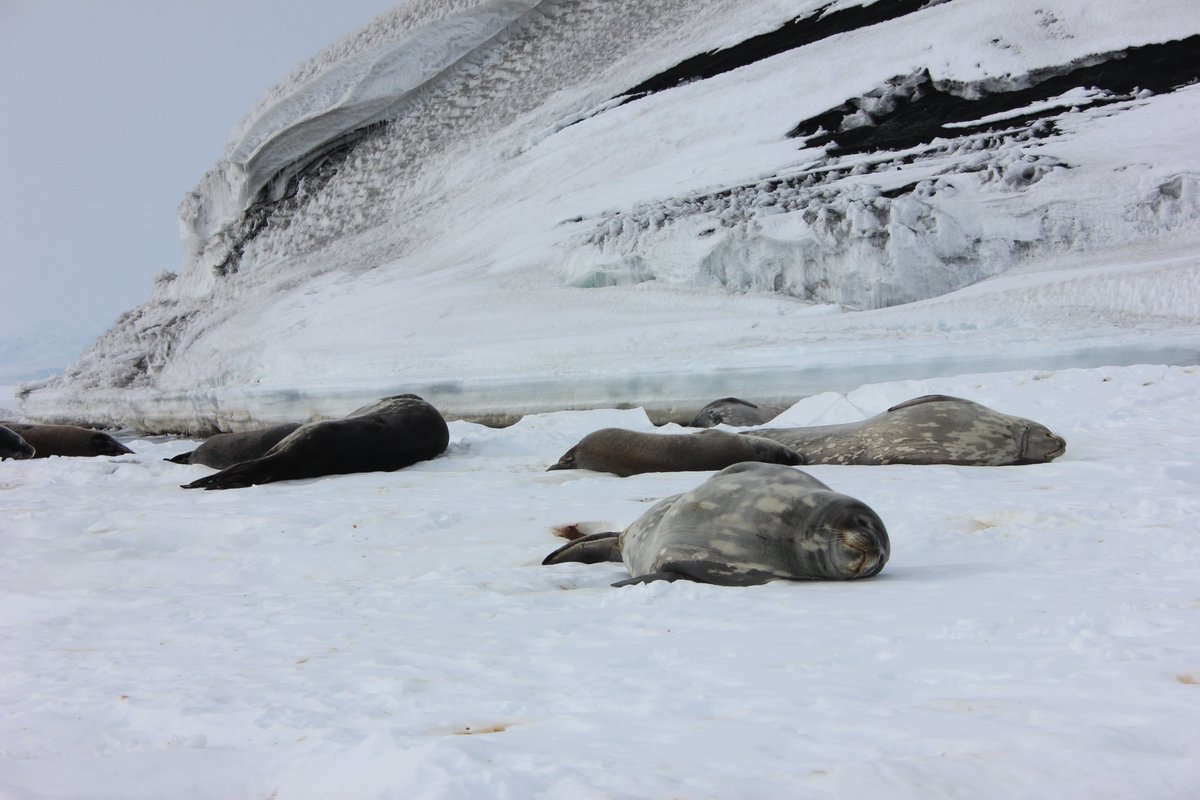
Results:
x,y
591,549
715,572
650,577
926,398
182,458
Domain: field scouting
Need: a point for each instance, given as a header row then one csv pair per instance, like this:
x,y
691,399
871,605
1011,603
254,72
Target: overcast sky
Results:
x,y
110,110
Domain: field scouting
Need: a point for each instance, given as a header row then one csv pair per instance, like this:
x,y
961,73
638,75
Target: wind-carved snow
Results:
x,y
330,110
465,201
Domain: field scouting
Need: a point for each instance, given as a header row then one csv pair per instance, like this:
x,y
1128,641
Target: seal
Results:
x,y
67,440
226,449
748,524
387,435
932,429
734,411
13,446
625,453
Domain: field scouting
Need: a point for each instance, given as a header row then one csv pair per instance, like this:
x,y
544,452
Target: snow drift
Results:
x,y
517,206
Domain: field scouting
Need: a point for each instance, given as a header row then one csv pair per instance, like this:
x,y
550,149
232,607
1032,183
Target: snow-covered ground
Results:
x,y
515,240
391,635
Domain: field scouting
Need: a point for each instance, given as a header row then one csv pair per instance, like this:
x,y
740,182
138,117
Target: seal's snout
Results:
x,y
865,557
1040,445
1060,446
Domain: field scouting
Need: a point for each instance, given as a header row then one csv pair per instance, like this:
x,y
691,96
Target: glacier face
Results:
x,y
511,205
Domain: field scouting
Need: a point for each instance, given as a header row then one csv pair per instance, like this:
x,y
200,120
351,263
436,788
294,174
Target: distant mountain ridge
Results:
x,y
556,166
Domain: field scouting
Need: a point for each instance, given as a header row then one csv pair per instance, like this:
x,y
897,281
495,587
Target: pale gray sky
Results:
x,y
110,110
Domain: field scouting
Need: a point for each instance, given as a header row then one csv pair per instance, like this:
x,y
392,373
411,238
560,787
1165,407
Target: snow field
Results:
x,y
394,635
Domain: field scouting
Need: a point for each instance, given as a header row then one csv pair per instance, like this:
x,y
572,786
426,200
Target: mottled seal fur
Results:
x,y
625,453
67,440
226,449
392,433
734,411
13,446
748,524
933,429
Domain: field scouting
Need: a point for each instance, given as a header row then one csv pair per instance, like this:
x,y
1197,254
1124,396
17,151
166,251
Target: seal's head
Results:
x,y
105,445
1040,445
13,446
566,462
843,539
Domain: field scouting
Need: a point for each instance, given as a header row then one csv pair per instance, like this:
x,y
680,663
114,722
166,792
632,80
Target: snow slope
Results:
x,y
394,635
426,198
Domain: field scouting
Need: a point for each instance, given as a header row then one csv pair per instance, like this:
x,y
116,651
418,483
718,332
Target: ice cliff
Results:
x,y
512,205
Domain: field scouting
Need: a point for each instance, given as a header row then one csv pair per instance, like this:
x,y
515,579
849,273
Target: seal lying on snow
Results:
x,y
392,433
226,449
13,446
734,411
748,524
67,440
934,429
627,453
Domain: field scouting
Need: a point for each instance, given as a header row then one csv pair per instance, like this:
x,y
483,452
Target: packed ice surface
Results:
x,y
393,635
456,201
517,239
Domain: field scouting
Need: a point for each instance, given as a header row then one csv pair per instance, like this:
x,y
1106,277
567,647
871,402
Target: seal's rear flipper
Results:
x,y
650,577
239,476
591,549
182,458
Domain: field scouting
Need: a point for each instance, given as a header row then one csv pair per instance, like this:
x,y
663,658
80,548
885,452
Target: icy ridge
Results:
x,y
351,93
513,173
828,236
377,172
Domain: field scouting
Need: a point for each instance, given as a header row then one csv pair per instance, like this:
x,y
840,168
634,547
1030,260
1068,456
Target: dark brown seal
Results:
x,y
933,429
392,433
226,449
748,524
624,453
67,440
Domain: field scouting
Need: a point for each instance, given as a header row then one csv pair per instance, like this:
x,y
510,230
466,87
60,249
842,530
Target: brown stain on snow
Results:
x,y
569,532
469,730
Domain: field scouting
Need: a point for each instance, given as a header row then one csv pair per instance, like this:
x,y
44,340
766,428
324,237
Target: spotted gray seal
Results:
x,y
750,523
933,429
389,434
226,449
67,440
13,446
625,453
734,411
